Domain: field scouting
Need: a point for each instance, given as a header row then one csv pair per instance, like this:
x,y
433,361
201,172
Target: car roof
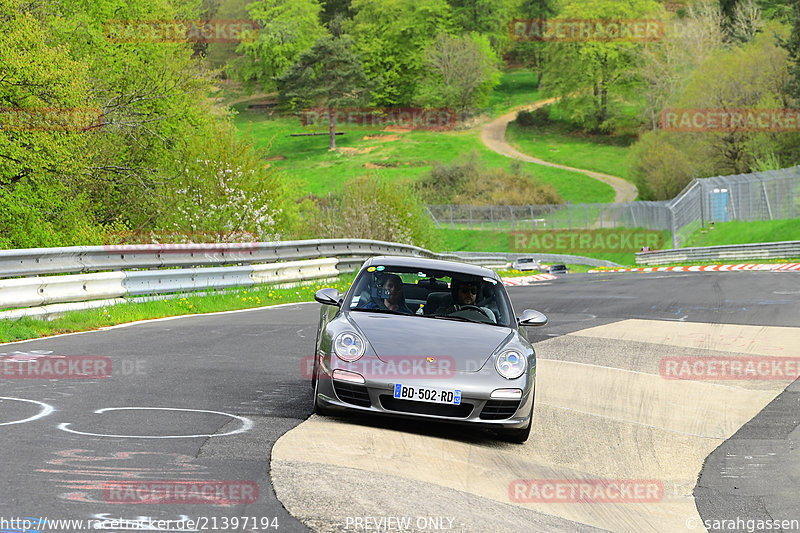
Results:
x,y
432,264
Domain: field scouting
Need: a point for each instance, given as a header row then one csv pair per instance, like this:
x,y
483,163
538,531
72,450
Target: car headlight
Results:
x,y
510,364
349,346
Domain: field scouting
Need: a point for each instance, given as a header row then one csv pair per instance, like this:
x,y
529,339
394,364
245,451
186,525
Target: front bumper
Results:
x,y
477,406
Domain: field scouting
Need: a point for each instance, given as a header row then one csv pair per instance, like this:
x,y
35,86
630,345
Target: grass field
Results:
x,y
558,144
399,155
395,156
746,232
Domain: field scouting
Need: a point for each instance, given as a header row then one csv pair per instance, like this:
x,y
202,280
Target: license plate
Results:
x,y
427,394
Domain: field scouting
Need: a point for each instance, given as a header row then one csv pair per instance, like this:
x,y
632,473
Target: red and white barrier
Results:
x,y
774,267
527,280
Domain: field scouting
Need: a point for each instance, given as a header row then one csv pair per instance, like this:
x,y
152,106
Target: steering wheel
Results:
x,y
474,308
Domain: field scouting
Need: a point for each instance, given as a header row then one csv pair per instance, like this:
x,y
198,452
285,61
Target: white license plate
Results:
x,y
427,394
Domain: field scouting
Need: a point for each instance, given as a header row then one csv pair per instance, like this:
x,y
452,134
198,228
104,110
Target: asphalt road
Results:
x,y
154,422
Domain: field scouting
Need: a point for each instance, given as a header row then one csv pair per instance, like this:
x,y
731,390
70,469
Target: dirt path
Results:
x,y
493,136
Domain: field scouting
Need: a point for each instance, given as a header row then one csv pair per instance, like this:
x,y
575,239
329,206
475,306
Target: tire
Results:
x,y
517,436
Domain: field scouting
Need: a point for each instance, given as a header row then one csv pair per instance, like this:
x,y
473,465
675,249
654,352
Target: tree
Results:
x,y
486,17
329,75
792,46
461,72
43,147
287,28
750,76
532,53
390,37
590,76
664,66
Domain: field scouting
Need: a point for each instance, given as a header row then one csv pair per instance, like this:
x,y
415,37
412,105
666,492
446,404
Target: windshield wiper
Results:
x,y
387,311
456,318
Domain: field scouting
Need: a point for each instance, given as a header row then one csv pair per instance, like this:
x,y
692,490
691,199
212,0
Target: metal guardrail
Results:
x,y
766,250
143,269
545,258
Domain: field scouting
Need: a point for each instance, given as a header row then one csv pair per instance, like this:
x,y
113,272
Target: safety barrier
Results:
x,y
144,269
765,250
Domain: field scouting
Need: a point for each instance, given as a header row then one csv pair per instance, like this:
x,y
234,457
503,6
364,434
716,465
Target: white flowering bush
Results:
x,y
223,194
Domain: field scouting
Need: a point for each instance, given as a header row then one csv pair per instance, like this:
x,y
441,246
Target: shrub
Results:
x,y
539,117
368,208
470,181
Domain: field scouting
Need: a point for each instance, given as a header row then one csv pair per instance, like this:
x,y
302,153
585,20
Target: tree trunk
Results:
x,y
332,129
603,102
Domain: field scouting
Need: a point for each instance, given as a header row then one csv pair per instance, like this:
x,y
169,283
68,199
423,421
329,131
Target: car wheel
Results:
x,y
518,436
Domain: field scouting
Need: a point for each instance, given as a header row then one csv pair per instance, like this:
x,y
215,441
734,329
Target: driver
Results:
x,y
465,292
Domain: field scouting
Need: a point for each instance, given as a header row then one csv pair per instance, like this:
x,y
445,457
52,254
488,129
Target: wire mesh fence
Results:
x,y
769,195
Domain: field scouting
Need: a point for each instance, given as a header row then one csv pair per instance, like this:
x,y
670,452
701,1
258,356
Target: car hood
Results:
x,y
467,346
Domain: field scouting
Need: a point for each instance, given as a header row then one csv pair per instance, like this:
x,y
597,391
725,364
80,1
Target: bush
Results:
x,y
537,118
367,208
470,181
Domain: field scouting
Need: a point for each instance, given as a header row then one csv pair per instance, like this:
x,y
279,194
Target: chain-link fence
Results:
x,y
767,195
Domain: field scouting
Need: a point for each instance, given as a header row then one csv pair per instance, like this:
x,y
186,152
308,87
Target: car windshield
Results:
x,y
431,294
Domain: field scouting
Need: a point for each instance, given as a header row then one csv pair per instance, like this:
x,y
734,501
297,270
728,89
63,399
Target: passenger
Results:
x,y
395,300
465,292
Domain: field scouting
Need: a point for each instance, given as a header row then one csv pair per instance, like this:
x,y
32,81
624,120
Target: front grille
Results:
x,y
499,409
352,393
425,408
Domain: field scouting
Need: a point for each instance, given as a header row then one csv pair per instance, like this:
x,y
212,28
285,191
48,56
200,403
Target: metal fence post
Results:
x,y
551,218
491,213
470,216
569,214
451,217
673,228
510,208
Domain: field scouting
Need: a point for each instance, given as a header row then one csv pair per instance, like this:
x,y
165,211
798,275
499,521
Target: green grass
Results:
x,y
517,87
746,232
400,156
501,241
390,156
557,143
192,303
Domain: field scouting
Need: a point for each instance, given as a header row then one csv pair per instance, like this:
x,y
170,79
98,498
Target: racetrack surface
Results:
x,y
603,411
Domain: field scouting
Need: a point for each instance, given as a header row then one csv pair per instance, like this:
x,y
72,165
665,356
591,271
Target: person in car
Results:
x,y
465,292
394,300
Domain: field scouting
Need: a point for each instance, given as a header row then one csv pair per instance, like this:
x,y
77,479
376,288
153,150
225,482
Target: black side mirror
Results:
x,y
328,296
531,317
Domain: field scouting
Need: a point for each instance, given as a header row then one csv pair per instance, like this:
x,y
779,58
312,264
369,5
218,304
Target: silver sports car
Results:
x,y
429,339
